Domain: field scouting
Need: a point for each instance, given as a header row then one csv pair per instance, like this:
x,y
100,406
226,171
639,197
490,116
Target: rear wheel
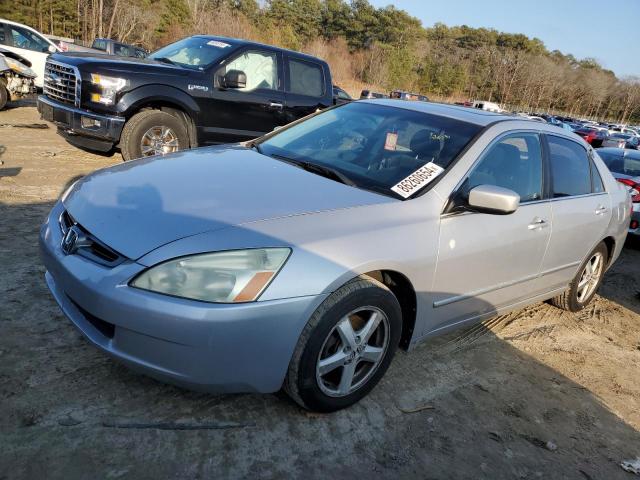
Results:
x,y
586,282
153,132
346,347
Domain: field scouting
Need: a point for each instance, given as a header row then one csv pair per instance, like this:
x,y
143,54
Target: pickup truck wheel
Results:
x,y
346,347
4,95
153,132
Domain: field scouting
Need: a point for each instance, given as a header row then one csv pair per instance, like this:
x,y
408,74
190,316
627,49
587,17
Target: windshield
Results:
x,y
374,146
193,52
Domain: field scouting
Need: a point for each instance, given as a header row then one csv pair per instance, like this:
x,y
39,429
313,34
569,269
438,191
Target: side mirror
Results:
x,y
493,199
234,79
52,49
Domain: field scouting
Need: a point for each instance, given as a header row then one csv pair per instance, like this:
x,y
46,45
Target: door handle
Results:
x,y
537,223
600,210
277,105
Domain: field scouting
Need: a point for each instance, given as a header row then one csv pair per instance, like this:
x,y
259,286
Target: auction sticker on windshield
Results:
x,y
216,43
418,179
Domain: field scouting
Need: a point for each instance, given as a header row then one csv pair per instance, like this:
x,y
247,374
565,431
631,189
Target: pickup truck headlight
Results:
x,y
222,277
109,87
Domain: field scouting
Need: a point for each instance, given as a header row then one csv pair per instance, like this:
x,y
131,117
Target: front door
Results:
x,y
237,114
489,261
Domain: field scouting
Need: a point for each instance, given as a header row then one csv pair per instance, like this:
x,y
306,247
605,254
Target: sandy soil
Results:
x,y
538,393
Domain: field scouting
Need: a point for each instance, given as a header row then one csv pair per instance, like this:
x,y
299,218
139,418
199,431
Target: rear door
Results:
x,y
580,208
305,86
237,114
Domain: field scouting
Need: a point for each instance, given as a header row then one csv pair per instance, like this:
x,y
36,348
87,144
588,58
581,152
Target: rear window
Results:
x,y
305,78
570,169
100,45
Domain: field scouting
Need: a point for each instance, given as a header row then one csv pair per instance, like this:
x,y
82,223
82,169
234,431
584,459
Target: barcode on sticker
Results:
x,y
418,179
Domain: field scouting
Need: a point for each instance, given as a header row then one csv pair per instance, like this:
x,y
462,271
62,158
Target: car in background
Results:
x,y
402,95
340,96
629,141
624,164
30,44
16,77
487,106
611,142
119,49
368,94
592,136
198,91
399,221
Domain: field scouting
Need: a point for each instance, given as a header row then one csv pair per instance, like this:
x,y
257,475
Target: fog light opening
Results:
x,y
88,122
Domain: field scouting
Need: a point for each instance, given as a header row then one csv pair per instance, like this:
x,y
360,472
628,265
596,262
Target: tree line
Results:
x,y
381,48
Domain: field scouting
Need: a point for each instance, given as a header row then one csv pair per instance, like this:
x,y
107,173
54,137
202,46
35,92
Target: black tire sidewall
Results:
x,y
574,304
4,95
158,118
308,388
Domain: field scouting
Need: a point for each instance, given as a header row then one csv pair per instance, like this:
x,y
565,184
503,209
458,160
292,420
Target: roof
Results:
x,y
622,152
241,41
465,114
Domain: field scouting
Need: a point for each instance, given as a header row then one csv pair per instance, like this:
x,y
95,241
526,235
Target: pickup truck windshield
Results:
x,y
373,146
193,52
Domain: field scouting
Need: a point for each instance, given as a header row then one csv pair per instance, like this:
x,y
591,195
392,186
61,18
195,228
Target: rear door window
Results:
x,y
570,168
3,37
305,78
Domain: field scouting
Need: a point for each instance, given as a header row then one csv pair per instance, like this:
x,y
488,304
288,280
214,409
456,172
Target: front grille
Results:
x,y
93,249
60,82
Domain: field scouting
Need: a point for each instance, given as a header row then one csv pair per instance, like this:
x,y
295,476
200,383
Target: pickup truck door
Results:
x,y
237,114
306,86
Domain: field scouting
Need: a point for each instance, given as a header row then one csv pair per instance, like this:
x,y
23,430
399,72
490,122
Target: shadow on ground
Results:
x,y
483,408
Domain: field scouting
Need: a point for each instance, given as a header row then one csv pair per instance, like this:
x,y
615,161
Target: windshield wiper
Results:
x,y
255,146
322,170
165,60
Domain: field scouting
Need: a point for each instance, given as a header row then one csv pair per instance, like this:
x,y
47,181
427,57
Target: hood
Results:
x,y
141,205
86,61
15,56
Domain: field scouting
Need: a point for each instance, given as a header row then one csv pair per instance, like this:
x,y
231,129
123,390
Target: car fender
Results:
x,y
164,95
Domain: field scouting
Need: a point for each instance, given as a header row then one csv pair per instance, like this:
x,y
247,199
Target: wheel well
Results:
x,y
611,245
177,112
406,295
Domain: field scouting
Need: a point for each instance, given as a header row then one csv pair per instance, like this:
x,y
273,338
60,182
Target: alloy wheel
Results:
x,y
590,277
352,351
159,140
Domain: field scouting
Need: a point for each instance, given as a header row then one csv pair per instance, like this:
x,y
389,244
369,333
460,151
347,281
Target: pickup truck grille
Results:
x,y
60,82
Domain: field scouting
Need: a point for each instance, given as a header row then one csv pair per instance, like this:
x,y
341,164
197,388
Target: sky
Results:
x,y
607,30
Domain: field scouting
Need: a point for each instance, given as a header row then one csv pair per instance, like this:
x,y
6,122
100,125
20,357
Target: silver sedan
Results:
x,y
304,259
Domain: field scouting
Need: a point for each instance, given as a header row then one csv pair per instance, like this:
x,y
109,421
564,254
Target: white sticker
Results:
x,y
216,43
418,179
391,141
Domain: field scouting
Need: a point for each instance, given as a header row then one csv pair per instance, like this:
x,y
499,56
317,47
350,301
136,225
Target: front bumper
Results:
x,y
201,346
68,118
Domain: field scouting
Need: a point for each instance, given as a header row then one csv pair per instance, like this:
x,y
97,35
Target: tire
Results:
x,y
152,121
570,300
4,95
322,338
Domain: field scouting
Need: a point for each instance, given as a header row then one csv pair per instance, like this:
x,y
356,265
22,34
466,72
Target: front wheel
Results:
x,y
585,283
153,132
346,347
4,95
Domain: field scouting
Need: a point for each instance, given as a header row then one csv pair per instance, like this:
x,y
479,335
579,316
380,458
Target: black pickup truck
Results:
x,y
198,91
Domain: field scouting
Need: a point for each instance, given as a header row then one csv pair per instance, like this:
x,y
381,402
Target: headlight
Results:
x,y
20,68
221,277
109,87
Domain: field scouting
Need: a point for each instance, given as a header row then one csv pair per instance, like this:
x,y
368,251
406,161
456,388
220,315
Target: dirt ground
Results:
x,y
538,393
